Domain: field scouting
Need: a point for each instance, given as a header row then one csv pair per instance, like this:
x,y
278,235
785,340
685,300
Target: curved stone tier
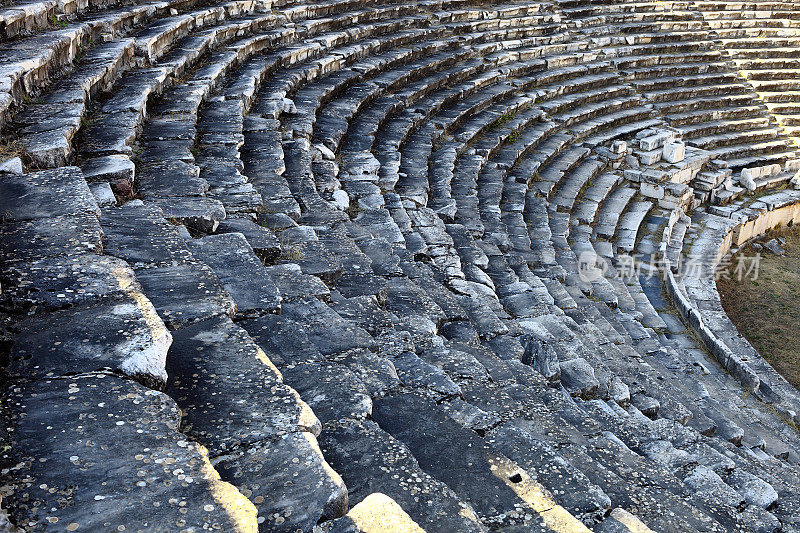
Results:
x,y
362,265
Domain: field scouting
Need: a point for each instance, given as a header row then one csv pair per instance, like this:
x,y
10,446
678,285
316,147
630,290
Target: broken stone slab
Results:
x,y
704,481
239,270
231,392
457,364
263,241
363,284
30,240
369,460
45,194
648,405
405,298
185,293
543,358
674,151
656,141
125,335
49,148
198,213
92,451
619,147
109,168
648,157
288,480
377,513
577,376
67,281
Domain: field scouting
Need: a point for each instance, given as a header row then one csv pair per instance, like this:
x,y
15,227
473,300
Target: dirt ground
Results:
x,y
766,310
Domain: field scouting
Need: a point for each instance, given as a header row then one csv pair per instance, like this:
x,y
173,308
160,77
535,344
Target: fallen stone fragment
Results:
x,y
774,247
543,358
578,378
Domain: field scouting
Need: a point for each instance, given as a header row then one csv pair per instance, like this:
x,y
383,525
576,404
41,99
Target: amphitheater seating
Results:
x,y
293,265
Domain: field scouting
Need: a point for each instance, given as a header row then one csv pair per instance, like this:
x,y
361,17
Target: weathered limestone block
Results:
x,y
185,293
656,141
754,490
59,282
619,392
199,213
494,484
262,473
369,460
263,241
45,194
421,375
109,168
30,240
674,151
332,390
231,392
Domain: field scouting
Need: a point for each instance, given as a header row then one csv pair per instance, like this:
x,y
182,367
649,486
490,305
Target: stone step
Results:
x,y
370,459
527,502
120,446
256,429
241,273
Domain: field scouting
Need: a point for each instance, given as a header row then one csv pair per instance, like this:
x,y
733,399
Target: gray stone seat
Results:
x,y
46,133
398,475
47,147
254,426
120,446
416,189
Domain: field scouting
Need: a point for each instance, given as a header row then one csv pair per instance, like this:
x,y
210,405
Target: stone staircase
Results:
x,y
362,265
